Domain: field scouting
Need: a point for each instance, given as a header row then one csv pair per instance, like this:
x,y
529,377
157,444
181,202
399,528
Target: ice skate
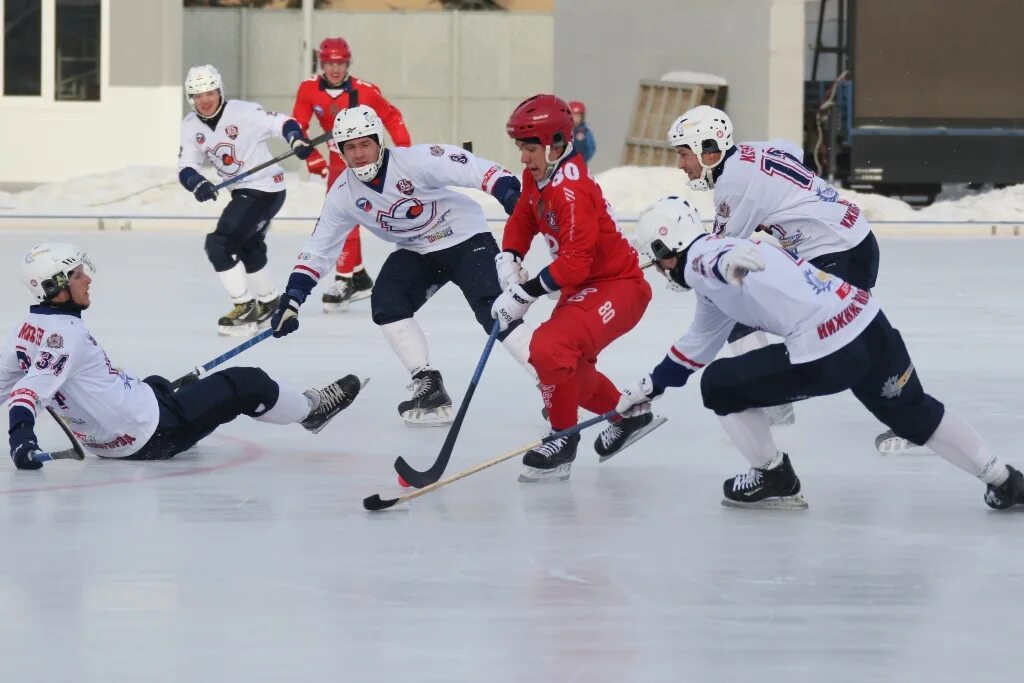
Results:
x,y
240,321
347,289
264,310
781,416
617,436
1010,493
768,488
430,404
550,461
331,400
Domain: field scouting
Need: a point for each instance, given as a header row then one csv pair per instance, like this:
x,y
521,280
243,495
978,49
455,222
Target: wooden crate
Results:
x,y
658,104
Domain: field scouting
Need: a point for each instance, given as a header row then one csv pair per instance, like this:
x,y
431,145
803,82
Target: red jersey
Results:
x,y
313,98
571,213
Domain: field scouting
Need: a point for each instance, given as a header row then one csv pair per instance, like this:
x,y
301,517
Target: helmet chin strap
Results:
x,y
553,163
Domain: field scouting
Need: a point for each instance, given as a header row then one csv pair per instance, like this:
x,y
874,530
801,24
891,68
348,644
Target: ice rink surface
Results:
x,y
251,558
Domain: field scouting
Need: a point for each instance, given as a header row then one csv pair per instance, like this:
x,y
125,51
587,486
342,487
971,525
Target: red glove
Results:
x,y
316,164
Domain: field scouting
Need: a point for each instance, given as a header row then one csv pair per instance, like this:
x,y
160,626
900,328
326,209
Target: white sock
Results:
x,y
751,433
517,343
235,282
292,406
261,284
408,342
957,442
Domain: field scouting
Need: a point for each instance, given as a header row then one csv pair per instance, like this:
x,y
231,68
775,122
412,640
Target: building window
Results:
x,y
23,38
77,41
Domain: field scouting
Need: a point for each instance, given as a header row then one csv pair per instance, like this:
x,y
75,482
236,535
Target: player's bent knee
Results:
x,y
716,395
255,391
554,360
218,250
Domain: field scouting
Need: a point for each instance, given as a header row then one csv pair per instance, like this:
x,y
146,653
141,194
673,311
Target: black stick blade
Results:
x,y
374,503
418,479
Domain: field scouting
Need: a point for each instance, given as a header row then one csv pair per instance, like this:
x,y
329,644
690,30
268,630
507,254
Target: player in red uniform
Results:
x,y
602,291
324,96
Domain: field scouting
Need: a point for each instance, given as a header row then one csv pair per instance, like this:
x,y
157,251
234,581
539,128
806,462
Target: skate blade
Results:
x,y
360,295
895,445
335,308
635,436
237,330
796,502
428,418
532,475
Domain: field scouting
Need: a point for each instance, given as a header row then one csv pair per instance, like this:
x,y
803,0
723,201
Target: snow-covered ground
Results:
x,y
152,190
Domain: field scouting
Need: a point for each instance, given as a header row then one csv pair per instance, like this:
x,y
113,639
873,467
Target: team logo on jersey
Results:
x,y
407,215
200,138
55,341
223,158
723,211
893,386
232,132
819,281
827,194
551,219
437,150
364,204
405,187
318,110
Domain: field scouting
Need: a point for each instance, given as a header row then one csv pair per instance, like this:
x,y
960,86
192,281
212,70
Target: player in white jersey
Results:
x,y
52,359
401,195
835,338
764,186
232,136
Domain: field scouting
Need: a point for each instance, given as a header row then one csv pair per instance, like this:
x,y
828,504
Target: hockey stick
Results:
x,y
200,369
375,502
76,452
280,157
419,479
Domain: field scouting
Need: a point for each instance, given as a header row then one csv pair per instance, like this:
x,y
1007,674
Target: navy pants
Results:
x,y
858,266
407,279
875,366
242,230
194,411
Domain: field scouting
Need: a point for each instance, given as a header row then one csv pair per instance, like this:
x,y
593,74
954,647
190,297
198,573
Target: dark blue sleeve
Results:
x,y
506,190
20,416
668,373
189,178
299,286
291,130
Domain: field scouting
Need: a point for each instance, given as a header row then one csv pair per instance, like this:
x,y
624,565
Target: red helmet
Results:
x,y
334,50
578,107
542,117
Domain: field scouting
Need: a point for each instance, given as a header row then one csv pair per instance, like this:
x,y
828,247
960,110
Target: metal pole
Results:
x,y
307,39
243,67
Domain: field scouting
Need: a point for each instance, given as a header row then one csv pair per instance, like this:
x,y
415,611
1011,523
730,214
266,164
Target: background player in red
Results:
x,y
324,96
602,291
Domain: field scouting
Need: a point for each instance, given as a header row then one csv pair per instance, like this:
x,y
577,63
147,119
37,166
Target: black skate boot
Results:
x,y
1008,494
775,486
240,320
265,309
330,401
346,289
551,461
618,435
430,404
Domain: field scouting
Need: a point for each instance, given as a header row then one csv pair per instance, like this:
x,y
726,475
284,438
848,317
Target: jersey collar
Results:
x,y
346,84
43,309
544,183
717,170
377,184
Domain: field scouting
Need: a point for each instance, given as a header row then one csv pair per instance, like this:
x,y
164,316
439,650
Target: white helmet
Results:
x,y
202,79
360,122
666,228
703,129
47,268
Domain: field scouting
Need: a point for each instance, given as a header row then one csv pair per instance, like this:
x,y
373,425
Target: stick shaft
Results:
x,y
266,164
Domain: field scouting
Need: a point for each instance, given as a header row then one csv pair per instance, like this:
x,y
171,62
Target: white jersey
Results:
x,y
52,359
237,144
408,203
815,313
765,185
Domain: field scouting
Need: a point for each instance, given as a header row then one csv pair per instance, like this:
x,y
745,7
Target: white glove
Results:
x,y
510,270
738,261
636,398
511,306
